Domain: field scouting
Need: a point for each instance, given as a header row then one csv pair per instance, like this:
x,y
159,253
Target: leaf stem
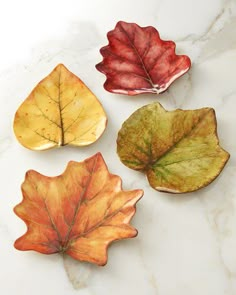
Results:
x,y
60,112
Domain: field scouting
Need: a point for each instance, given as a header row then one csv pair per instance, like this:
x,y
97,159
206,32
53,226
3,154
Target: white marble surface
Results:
x,y
186,243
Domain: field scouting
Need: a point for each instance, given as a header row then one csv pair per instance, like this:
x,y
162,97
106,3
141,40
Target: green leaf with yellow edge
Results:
x,y
61,110
178,150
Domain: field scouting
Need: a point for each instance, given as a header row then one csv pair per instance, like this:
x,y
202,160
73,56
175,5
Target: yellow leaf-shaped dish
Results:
x,y
60,110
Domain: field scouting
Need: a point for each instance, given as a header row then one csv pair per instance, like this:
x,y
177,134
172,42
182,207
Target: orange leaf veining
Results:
x,y
79,212
60,110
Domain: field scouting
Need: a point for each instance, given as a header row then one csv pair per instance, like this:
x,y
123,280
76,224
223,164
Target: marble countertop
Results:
x,y
186,243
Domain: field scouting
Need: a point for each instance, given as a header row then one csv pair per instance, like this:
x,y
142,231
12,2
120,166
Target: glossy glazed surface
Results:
x,y
186,243
78,213
60,110
136,60
178,151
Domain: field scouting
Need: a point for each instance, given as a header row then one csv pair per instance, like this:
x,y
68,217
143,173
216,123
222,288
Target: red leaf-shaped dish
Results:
x,y
137,61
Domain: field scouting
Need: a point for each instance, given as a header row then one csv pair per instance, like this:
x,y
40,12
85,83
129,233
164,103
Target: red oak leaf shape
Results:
x,y
137,61
78,213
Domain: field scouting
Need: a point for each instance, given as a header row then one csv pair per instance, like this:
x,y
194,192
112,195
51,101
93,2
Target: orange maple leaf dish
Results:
x,y
78,213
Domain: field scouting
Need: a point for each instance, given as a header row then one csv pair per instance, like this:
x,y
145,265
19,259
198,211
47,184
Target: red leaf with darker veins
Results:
x,y
137,61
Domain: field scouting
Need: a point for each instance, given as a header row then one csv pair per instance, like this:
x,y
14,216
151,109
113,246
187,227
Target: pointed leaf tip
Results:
x,y
78,213
61,110
178,150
